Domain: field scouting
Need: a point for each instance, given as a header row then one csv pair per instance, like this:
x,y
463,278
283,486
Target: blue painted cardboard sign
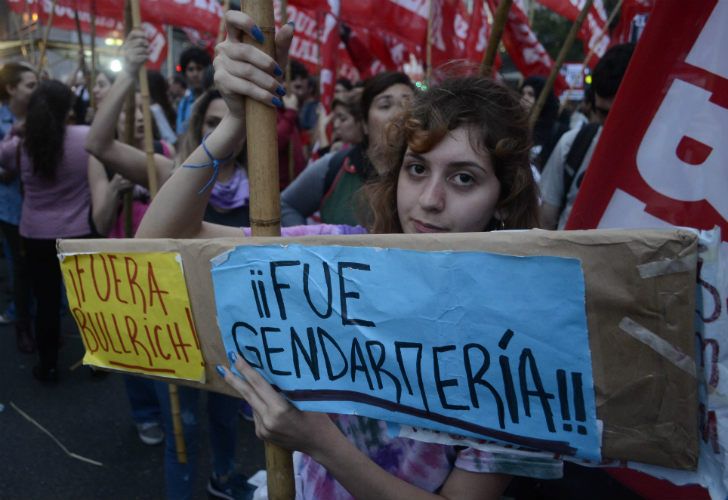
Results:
x,y
485,345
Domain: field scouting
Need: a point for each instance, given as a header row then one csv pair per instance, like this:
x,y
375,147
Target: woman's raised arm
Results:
x,y
241,70
122,158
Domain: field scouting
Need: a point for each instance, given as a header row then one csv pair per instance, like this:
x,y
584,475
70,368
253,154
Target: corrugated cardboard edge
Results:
x,y
648,405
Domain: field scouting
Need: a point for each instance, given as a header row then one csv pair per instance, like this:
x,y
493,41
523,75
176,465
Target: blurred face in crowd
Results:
x,y
20,93
346,127
175,91
384,108
340,91
528,97
451,188
299,87
101,88
138,120
195,74
602,105
213,116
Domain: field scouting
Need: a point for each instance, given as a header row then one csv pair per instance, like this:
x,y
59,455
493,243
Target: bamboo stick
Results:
x,y
538,106
496,33
170,52
94,62
611,17
428,47
129,111
265,211
46,33
144,90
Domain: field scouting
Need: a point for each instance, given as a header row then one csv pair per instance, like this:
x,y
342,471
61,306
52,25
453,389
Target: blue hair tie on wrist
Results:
x,y
214,163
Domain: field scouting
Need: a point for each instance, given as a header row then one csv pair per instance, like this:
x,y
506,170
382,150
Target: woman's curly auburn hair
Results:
x,y
498,124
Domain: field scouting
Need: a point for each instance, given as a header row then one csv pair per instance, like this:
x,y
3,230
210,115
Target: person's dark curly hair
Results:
x,y
45,126
610,69
498,126
196,55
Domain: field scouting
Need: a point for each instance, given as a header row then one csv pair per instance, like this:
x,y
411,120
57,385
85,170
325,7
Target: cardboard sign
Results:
x,y
133,313
647,403
481,344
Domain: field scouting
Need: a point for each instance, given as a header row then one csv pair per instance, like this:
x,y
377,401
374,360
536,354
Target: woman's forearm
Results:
x,y
179,207
102,132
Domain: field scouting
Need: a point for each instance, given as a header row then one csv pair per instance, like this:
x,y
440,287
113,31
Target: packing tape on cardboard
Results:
x,y
659,345
668,266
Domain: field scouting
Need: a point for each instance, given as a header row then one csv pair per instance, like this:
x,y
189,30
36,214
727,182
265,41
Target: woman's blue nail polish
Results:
x,y
257,34
292,24
277,102
277,71
233,357
220,370
280,91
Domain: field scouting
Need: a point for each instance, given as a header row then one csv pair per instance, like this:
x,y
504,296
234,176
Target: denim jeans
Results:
x,y
142,399
222,417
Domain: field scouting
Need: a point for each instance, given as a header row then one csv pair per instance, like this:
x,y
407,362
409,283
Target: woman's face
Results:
x,y
346,128
138,120
528,97
384,108
451,188
213,116
101,88
20,94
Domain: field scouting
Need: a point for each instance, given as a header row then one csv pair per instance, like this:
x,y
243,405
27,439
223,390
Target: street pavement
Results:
x,y
90,416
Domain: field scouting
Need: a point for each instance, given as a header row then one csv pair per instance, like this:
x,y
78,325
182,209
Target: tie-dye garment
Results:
x,y
425,465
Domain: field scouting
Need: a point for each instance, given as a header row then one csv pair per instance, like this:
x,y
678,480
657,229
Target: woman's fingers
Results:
x,y
238,22
261,385
243,387
284,37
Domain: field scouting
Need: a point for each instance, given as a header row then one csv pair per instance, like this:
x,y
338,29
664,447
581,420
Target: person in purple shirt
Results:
x,y
56,204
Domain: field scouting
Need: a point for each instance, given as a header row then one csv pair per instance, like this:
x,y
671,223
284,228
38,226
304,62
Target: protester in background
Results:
x,y
17,83
330,185
80,86
547,129
291,155
347,126
55,205
567,165
342,88
160,107
228,204
177,89
194,62
465,169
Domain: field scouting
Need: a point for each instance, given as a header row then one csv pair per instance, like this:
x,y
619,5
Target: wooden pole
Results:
x,y
265,210
428,47
611,17
130,111
538,106
221,27
94,62
46,33
496,33
21,38
170,52
144,90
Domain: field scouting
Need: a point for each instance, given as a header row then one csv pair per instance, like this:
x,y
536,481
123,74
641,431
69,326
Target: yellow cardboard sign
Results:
x,y
134,313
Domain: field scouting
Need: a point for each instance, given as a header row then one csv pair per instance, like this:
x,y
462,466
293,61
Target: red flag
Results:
x,y
329,48
594,29
525,50
662,160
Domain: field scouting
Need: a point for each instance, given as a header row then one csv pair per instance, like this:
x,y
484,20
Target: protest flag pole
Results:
x,y
129,111
538,106
221,27
44,40
496,33
152,179
265,210
93,54
428,47
611,17
82,57
170,52
144,90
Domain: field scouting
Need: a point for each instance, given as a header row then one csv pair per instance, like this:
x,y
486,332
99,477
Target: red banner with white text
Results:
x,y
662,161
594,30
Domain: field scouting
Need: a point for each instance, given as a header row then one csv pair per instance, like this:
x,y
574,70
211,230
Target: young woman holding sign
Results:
x,y
460,165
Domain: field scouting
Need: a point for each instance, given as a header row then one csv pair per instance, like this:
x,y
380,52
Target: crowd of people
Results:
x,y
388,158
